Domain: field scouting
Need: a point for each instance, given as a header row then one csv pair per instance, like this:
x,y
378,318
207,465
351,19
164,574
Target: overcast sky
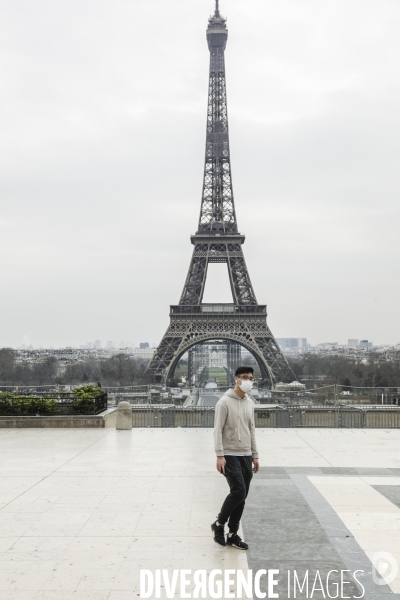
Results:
x,y
103,114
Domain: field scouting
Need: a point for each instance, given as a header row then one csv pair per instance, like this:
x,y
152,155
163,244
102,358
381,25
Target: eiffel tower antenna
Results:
x,y
217,240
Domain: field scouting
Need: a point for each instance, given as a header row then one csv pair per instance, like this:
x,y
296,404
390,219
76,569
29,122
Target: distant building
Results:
x,y
353,343
328,345
97,344
365,344
143,345
110,344
292,343
294,386
145,353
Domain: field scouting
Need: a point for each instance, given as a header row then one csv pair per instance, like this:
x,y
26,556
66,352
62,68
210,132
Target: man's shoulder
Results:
x,y
225,398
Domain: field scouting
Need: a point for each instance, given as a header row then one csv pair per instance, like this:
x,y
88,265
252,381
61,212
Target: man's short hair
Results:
x,y
242,370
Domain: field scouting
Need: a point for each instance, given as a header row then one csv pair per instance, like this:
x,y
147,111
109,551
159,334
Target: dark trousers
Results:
x,y
238,473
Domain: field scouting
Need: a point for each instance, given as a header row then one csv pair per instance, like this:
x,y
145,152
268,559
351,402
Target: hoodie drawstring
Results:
x,y
239,422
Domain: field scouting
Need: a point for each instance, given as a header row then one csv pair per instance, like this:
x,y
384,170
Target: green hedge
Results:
x,y
82,403
23,405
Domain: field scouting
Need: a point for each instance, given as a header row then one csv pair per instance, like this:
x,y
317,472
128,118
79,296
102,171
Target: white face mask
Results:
x,y
246,385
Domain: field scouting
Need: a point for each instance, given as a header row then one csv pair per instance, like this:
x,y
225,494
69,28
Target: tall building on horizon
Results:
x,y
292,343
365,344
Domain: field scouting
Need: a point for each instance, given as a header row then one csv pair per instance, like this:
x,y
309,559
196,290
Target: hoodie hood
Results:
x,y
232,394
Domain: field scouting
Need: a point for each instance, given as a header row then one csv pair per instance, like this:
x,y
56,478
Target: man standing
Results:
x,y
237,456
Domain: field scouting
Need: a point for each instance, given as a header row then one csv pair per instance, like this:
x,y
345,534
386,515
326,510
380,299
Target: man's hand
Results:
x,y
256,465
221,462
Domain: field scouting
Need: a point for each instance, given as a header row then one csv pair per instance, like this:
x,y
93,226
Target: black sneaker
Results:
x,y
236,542
219,534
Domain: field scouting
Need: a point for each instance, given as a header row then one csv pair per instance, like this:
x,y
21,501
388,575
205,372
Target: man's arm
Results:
x,y
254,450
221,413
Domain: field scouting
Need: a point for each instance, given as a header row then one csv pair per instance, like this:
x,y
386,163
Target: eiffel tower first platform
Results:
x,y
217,240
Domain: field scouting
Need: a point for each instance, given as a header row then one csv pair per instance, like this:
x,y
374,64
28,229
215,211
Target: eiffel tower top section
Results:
x,y
217,213
217,33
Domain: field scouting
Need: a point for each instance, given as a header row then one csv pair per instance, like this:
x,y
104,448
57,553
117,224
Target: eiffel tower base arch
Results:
x,y
244,325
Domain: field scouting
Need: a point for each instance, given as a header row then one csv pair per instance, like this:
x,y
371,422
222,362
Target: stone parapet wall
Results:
x,y
105,419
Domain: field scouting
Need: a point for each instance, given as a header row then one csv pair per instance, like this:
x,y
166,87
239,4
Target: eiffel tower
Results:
x,y
217,240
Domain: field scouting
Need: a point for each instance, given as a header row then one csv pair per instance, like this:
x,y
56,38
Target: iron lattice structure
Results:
x,y
217,240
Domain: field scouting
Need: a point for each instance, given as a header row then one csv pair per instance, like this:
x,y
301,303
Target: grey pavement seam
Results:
x,y
341,538
391,492
285,534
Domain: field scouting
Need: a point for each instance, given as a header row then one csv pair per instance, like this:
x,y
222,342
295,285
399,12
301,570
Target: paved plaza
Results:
x,y
83,511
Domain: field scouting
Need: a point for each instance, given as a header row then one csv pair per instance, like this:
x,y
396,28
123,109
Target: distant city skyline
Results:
x,y
97,344
285,343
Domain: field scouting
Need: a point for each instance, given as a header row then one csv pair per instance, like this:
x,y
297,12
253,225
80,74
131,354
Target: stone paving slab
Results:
x,y
81,511
391,492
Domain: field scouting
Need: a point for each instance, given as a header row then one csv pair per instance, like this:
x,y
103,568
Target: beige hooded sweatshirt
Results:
x,y
234,431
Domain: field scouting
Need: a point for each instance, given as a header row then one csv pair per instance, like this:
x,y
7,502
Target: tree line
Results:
x,y
373,371
119,370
